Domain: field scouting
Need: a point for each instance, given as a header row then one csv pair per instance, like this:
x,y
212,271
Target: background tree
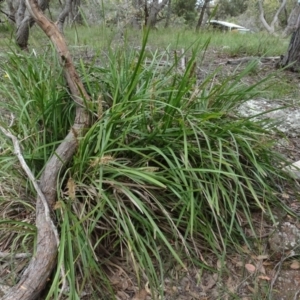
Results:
x,y
204,5
152,10
71,9
270,26
147,10
25,21
292,57
186,9
292,21
231,8
18,13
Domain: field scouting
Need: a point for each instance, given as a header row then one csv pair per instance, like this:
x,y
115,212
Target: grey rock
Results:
x,y
286,238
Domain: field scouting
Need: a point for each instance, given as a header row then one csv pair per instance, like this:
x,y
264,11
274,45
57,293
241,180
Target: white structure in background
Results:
x,y
229,26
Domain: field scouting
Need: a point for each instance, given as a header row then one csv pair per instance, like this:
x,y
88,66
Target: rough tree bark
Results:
x,y
270,27
35,276
20,13
63,15
291,59
11,8
27,21
200,20
292,21
75,14
71,10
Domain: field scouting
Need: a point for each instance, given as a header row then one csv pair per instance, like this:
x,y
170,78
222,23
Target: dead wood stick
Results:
x,y
4,255
251,58
35,277
17,151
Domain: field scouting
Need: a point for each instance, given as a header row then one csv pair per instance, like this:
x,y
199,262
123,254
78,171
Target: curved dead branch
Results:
x,y
34,278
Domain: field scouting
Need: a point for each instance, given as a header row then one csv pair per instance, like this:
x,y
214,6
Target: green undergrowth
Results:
x,y
168,170
228,43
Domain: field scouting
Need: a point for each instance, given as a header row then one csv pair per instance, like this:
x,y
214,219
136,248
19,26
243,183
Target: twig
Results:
x,y
279,265
182,60
296,295
251,58
16,255
17,151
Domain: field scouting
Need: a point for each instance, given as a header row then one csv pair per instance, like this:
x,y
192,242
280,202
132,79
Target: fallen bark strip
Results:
x,y
244,60
35,276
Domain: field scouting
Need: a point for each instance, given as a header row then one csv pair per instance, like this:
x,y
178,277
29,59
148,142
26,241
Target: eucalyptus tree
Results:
x,y
291,59
292,20
270,26
204,5
19,14
231,8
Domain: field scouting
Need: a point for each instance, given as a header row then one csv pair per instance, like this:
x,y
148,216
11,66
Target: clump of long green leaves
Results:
x,y
167,167
35,107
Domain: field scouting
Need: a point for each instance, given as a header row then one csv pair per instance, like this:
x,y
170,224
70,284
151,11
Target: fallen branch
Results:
x,y
34,278
251,58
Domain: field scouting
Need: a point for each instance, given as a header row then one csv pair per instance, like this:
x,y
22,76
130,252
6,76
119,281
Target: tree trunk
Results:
x,y
76,12
26,23
291,59
63,15
292,21
153,10
19,15
200,20
270,27
12,10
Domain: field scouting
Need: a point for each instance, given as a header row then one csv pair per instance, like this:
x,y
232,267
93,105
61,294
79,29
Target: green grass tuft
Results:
x,y
168,168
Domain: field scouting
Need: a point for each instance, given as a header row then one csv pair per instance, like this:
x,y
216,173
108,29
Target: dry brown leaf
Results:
x,y
71,188
57,205
285,196
187,288
122,295
141,295
215,276
260,268
125,284
245,249
231,285
251,289
264,277
295,265
262,257
250,268
210,283
268,263
239,264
